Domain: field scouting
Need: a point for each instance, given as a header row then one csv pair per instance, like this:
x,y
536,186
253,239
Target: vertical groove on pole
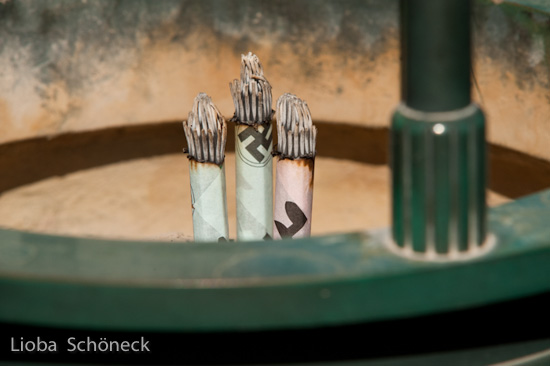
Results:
x,y
407,188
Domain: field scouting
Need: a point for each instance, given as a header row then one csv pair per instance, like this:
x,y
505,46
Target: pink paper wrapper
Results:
x,y
293,198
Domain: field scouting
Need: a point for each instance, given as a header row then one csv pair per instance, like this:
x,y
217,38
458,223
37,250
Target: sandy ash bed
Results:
x,y
150,199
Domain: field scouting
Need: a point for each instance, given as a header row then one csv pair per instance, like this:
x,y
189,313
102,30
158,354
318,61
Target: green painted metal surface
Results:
x,y
438,180
438,148
540,5
435,54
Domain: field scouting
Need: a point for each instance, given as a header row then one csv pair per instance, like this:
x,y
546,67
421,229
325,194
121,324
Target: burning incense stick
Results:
x,y
206,134
253,146
295,166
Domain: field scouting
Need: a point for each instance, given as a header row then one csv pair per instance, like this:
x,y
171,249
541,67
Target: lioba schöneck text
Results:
x,y
78,345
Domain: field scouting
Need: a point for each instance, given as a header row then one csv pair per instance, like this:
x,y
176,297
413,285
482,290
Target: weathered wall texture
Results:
x,y
68,65
512,71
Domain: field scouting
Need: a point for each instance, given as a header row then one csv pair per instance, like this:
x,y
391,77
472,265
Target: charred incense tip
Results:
x,y
205,131
297,134
252,93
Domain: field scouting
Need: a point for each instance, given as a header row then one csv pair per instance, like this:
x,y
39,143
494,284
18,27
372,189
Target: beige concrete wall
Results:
x,y
73,66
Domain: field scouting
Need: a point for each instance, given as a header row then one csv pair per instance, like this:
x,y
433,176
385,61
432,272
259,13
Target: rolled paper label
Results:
x,y
293,198
208,201
254,175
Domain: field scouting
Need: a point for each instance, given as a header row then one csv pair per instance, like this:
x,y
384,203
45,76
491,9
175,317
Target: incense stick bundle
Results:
x,y
253,145
206,134
295,167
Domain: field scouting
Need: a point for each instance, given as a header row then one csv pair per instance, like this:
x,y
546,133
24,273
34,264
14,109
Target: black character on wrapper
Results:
x,y
296,216
259,139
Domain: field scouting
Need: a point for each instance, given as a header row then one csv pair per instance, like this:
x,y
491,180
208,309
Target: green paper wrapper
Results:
x,y
254,168
208,201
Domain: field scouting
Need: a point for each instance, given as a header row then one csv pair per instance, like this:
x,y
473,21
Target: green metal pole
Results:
x,y
438,136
